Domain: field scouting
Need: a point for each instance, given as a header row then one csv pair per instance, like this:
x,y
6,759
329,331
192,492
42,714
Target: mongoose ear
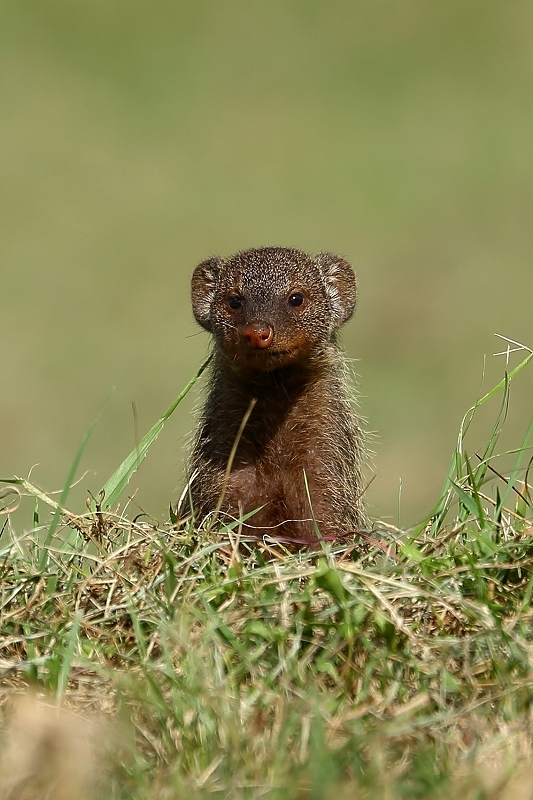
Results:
x,y
203,287
341,286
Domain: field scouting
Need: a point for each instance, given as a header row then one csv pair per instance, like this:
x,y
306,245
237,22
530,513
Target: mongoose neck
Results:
x,y
297,374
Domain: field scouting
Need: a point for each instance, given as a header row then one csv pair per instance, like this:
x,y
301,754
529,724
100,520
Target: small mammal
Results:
x,y
274,313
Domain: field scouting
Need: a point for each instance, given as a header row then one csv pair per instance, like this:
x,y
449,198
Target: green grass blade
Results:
x,y
68,655
466,499
34,491
518,464
68,483
475,492
118,481
441,509
481,470
503,383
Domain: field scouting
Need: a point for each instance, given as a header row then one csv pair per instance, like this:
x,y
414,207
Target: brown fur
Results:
x,y
274,313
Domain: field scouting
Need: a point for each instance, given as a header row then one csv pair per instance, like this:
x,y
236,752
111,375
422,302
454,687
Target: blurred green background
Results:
x,y
138,138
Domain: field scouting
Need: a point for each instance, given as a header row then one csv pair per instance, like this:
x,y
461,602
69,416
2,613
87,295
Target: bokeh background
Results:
x,y
138,138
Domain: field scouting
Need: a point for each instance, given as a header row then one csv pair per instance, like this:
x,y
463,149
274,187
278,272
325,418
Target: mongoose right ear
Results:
x,y
341,286
203,287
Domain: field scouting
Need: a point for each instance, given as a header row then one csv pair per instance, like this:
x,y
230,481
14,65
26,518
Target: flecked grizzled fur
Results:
x,y
274,313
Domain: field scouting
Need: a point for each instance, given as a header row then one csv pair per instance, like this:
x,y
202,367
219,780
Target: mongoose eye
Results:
x,y
296,299
234,302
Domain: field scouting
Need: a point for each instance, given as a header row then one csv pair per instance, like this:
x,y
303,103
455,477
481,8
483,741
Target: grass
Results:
x,y
190,662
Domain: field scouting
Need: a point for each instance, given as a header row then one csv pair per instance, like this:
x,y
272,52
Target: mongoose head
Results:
x,y
273,306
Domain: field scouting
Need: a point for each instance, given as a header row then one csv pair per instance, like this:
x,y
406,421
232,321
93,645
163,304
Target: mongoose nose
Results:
x,y
258,335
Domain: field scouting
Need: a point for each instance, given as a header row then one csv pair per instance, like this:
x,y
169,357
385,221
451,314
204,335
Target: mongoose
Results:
x,y
274,313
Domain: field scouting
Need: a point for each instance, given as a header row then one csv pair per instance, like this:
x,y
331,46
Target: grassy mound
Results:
x,y
193,662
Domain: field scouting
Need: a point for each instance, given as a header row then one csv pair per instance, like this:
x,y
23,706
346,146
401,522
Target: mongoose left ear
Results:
x,y
203,288
341,286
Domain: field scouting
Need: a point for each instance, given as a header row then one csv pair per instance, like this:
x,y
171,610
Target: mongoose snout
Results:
x,y
274,313
258,335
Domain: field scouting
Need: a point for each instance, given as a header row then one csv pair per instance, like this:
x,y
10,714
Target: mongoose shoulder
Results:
x,y
274,313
